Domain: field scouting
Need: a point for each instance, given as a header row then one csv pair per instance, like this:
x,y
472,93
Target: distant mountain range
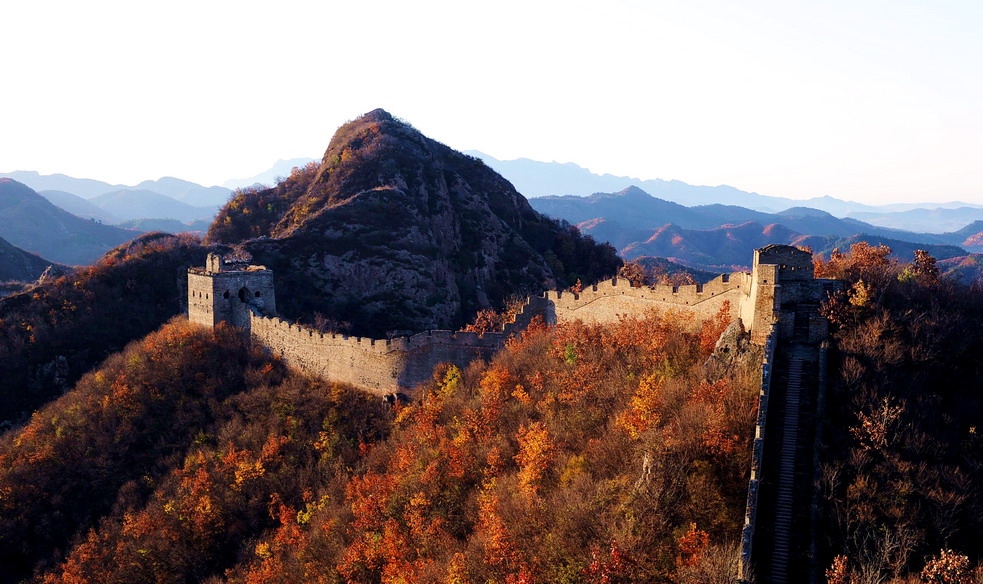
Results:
x,y
129,204
187,192
178,202
634,208
536,179
199,227
32,223
86,188
937,220
723,237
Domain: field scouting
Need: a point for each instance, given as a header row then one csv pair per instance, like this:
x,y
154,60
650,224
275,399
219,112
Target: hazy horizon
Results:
x,y
875,102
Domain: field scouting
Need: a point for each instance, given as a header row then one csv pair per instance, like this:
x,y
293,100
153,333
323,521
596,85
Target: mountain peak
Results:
x,y
397,231
804,212
635,192
378,115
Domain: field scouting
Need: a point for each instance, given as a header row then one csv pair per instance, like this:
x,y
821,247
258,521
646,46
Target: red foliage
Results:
x,y
692,546
616,568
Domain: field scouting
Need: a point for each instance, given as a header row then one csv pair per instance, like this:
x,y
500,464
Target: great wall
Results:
x,y
777,303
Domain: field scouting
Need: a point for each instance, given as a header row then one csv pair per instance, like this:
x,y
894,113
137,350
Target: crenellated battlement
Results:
x,y
688,294
616,298
244,295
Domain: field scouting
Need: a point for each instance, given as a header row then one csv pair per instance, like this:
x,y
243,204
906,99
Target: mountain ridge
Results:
x,y
131,204
19,265
536,178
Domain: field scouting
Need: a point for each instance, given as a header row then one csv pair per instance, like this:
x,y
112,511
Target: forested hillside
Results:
x,y
59,330
580,454
904,427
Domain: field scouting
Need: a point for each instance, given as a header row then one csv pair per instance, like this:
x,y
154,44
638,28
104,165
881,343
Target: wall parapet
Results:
x,y
687,294
757,453
616,298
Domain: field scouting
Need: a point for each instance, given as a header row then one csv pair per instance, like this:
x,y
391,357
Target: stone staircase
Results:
x,y
782,540
786,474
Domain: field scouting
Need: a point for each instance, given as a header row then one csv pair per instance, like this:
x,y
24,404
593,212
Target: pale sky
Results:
x,y
873,101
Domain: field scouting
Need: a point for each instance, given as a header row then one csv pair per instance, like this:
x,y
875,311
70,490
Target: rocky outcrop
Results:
x,y
394,231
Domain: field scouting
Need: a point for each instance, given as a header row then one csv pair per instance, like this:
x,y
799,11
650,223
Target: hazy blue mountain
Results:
x,y
141,204
938,220
269,177
187,192
535,179
633,209
176,188
79,207
32,223
83,187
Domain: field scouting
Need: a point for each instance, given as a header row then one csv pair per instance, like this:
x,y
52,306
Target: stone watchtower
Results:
x,y
222,292
782,274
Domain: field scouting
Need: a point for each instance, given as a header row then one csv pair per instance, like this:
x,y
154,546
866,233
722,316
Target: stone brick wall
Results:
x,y
380,366
223,293
757,451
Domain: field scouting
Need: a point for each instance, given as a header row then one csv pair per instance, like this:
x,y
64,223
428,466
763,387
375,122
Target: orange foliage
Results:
x,y
536,452
643,407
863,261
500,551
518,471
496,386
